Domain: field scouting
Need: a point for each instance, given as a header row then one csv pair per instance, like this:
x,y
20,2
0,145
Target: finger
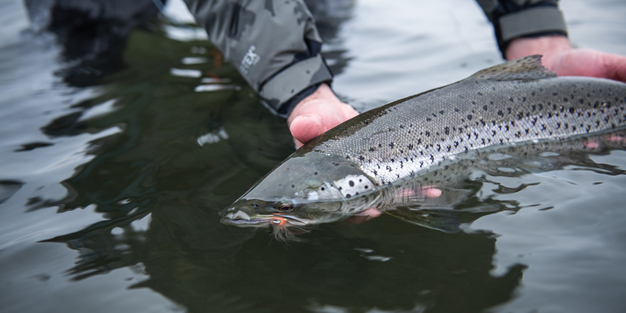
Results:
x,y
364,216
615,66
431,192
304,128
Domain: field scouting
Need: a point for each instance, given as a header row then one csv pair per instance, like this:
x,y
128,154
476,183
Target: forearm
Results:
x,y
274,44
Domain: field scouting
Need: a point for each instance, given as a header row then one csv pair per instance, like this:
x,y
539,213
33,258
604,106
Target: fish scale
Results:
x,y
402,138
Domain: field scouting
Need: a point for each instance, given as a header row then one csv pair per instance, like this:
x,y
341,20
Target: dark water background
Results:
x,y
109,192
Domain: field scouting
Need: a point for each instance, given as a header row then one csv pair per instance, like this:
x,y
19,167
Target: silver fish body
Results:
x,y
367,160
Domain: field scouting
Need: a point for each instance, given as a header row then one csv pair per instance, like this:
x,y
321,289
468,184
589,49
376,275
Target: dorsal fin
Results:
x,y
526,69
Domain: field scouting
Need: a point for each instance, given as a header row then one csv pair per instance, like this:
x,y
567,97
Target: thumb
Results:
x,y
303,128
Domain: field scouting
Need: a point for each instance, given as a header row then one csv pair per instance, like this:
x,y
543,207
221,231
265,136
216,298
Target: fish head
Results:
x,y
302,191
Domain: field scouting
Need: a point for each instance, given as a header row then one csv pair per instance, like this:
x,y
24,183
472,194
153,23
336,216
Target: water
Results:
x,y
109,191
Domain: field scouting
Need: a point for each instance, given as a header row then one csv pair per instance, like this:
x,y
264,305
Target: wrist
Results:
x,y
546,46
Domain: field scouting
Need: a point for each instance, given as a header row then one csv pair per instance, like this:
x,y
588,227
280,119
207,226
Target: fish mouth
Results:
x,y
242,219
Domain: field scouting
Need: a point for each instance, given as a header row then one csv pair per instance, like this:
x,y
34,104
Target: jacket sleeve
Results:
x,y
523,18
274,44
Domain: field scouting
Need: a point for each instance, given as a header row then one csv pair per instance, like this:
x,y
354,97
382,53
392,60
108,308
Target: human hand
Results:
x,y
565,60
316,114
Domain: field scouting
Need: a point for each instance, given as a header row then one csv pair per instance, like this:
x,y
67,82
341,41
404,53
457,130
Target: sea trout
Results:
x,y
384,157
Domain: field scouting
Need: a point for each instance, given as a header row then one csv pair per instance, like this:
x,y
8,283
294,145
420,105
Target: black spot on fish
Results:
x,y
447,130
485,107
372,149
348,196
427,133
500,113
351,183
410,146
315,173
361,158
293,186
391,144
441,112
469,117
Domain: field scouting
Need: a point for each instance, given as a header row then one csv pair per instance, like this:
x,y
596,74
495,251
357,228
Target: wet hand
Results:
x,y
565,60
316,114
362,217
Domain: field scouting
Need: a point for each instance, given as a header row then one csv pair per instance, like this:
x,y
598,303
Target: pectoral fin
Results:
x,y
436,213
438,219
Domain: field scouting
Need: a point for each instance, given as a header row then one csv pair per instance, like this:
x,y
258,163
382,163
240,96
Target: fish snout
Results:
x,y
236,215
227,211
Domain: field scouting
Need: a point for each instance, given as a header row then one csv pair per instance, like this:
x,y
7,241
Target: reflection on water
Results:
x,y
129,168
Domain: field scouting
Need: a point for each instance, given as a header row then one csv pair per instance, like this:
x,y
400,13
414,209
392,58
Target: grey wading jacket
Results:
x,y
276,46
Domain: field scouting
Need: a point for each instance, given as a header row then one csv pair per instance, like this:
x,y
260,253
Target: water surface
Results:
x,y
109,190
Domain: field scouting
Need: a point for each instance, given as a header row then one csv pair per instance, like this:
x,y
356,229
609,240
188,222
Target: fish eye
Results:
x,y
285,207
277,221
255,206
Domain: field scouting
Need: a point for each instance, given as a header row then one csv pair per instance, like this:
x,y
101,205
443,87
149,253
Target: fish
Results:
x,y
389,156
